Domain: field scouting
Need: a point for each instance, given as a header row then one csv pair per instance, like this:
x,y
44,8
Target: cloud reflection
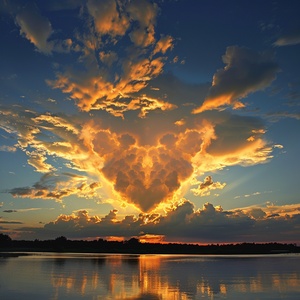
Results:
x,y
173,277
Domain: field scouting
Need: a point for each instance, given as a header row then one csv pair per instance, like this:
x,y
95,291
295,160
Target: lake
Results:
x,y
110,276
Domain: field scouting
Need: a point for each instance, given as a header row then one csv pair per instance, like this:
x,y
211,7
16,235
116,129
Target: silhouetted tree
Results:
x,y
133,242
4,238
61,239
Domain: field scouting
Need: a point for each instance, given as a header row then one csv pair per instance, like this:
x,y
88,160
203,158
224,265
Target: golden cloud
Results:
x,y
144,171
206,186
111,80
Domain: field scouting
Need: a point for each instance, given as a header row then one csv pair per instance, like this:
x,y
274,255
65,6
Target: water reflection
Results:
x,y
150,277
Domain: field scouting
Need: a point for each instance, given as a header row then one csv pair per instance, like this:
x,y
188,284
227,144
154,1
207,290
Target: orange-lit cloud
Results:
x,y
245,72
206,186
112,80
164,44
143,170
151,238
107,17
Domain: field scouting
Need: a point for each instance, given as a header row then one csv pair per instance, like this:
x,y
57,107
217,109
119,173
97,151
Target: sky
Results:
x,y
169,121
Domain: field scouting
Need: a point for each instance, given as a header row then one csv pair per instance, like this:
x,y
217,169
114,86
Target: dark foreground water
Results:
x,y
171,277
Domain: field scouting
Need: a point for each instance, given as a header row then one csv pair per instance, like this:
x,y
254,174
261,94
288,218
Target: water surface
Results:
x,y
110,276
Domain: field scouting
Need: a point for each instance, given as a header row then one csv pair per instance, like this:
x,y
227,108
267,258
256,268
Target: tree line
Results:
x,y
134,246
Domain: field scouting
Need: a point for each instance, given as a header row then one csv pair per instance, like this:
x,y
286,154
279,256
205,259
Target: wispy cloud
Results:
x,y
288,39
22,210
284,114
56,186
10,222
9,210
8,148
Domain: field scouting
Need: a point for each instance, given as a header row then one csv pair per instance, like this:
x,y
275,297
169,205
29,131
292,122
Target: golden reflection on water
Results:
x,y
158,277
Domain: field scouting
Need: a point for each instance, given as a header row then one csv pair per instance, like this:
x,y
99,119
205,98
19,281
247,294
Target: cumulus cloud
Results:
x,y
246,71
181,222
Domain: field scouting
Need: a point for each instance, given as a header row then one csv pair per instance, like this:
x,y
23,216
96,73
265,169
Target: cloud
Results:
x,y
8,148
206,186
182,222
113,80
11,222
10,211
151,238
146,167
167,86
108,17
146,162
145,14
288,39
246,71
164,44
21,210
93,90
56,186
147,177
36,28
284,114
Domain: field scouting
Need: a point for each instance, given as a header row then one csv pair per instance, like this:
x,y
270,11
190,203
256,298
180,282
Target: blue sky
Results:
x,y
172,120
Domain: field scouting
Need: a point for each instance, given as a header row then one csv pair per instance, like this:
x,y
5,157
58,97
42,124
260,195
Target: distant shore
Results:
x,y
133,246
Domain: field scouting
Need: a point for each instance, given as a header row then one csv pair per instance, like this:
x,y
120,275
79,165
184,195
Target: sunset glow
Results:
x,y
145,119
